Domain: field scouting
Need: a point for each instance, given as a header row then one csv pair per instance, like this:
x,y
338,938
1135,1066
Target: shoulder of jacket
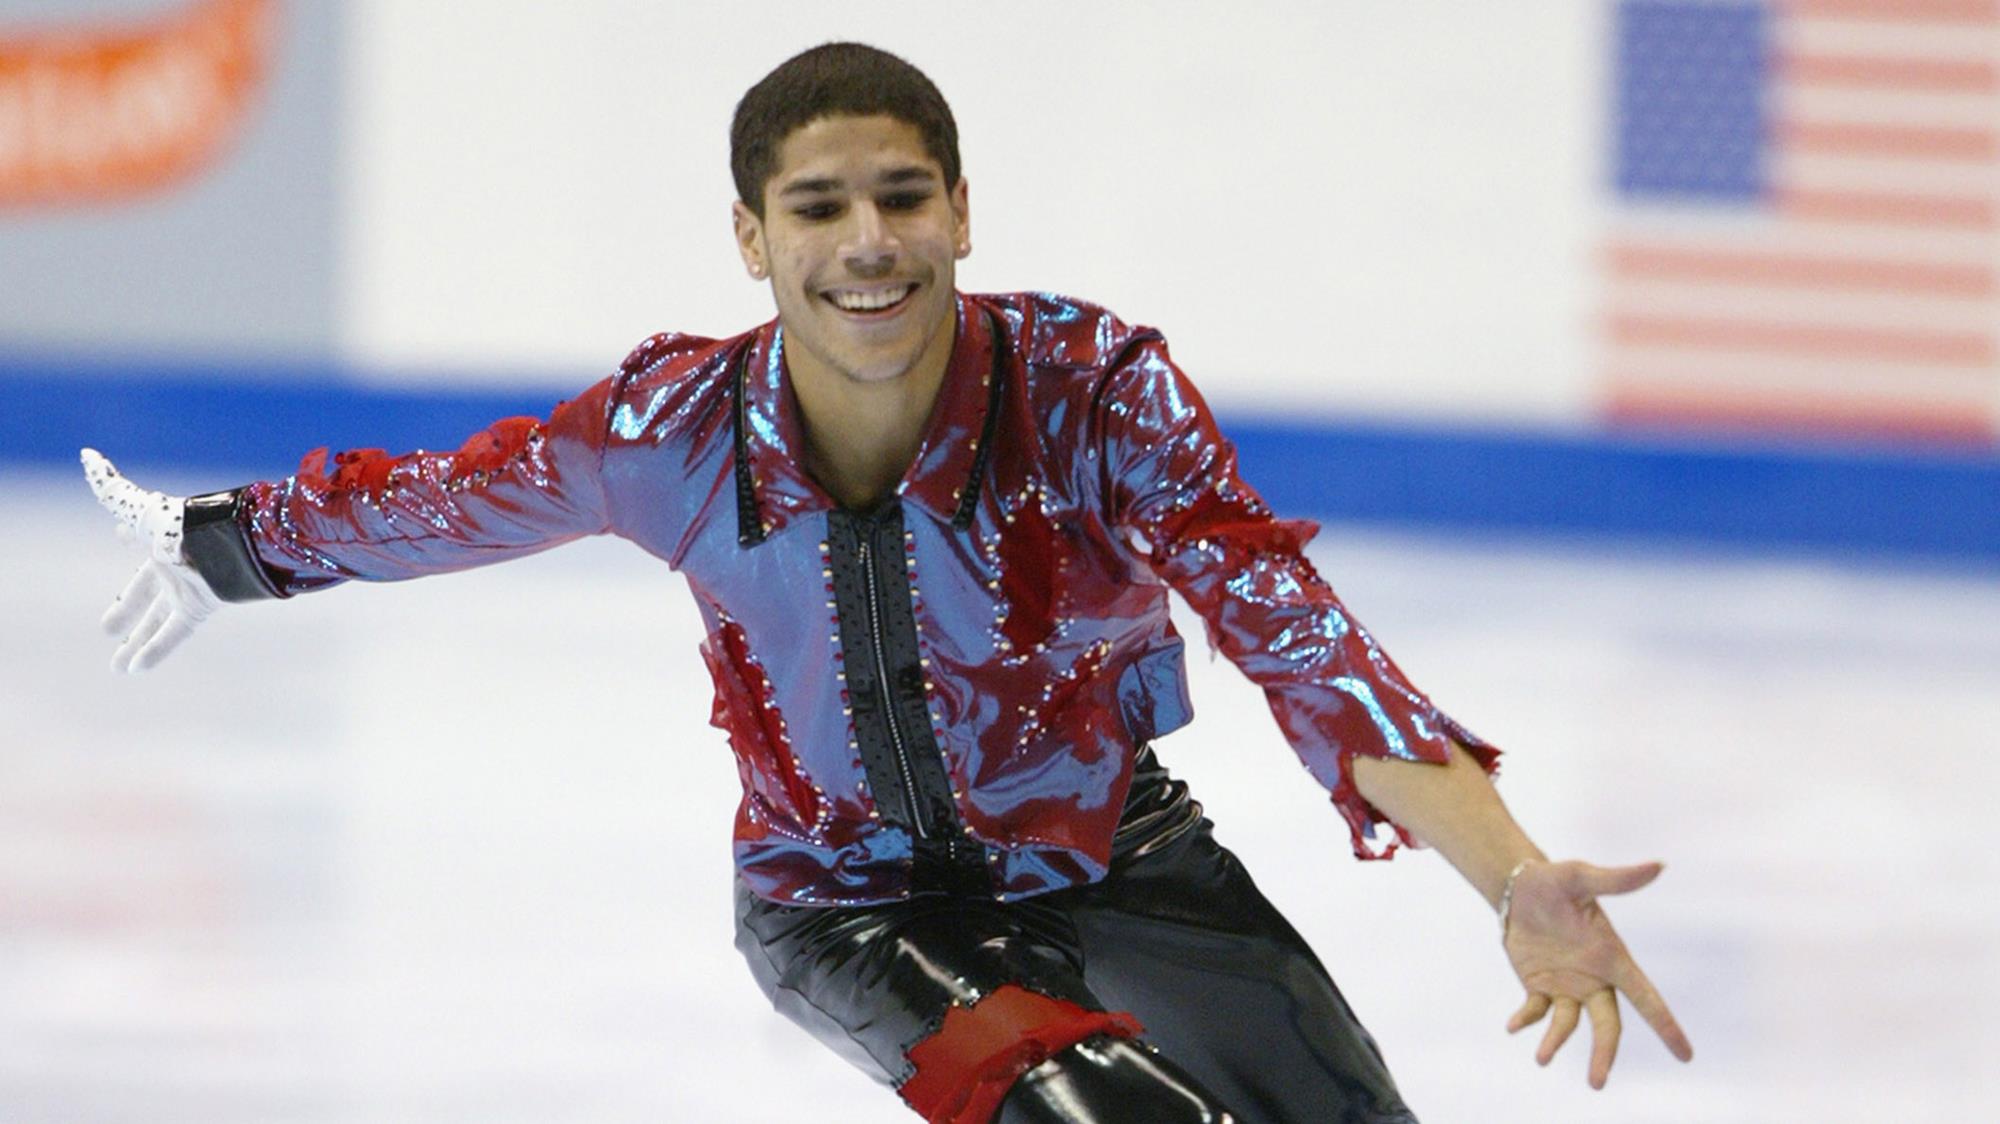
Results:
x,y
1053,330
670,352
673,380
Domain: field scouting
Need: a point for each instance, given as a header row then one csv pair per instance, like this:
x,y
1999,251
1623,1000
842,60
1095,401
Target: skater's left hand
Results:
x,y
1571,960
167,599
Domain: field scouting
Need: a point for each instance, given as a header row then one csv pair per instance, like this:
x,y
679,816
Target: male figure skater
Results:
x,y
931,535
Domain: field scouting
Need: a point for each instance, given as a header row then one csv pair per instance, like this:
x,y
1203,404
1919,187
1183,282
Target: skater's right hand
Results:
x,y
167,598
1572,961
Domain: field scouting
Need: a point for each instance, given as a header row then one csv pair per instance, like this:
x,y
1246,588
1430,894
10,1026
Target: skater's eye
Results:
x,y
905,200
817,212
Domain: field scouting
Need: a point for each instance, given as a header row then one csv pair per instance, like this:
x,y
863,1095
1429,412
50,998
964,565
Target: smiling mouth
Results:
x,y
873,302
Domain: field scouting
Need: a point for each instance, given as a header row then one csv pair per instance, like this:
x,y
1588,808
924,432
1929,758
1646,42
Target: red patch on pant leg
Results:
x,y
965,1069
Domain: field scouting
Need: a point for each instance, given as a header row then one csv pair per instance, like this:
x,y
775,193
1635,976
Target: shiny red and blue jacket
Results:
x,y
961,676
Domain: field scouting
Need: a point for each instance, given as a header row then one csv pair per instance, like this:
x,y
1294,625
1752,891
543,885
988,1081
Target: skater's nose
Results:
x,y
870,248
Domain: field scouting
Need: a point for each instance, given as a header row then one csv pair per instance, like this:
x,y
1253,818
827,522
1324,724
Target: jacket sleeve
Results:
x,y
521,485
1171,480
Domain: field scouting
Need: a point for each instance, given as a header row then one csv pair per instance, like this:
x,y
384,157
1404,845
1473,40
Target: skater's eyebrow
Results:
x,y
891,178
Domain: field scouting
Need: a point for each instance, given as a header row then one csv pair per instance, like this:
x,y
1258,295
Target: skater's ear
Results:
x,y
961,219
750,240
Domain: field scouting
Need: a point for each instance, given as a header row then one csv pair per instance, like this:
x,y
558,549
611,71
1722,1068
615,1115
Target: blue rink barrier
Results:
x,y
246,421
1872,500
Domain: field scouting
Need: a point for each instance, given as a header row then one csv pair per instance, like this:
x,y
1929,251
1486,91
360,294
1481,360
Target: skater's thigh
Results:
x,y
871,982
1183,939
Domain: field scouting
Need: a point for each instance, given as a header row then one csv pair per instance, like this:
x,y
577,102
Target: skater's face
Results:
x,y
859,239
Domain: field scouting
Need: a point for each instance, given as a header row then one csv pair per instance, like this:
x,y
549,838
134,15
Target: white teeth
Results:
x,y
869,302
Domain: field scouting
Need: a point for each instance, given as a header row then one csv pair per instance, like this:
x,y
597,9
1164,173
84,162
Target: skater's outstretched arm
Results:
x,y
520,486
1383,749
1569,958
1336,694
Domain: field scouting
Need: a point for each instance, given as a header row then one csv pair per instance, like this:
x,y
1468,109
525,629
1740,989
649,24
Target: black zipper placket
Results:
x,y
751,530
877,642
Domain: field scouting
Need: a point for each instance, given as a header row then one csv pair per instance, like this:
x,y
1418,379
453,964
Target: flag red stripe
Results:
x,y
1907,11
1938,76
1848,138
1639,262
1960,212
1830,341
1824,414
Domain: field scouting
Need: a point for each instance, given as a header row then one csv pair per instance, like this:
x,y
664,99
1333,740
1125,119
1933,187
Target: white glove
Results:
x,y
167,598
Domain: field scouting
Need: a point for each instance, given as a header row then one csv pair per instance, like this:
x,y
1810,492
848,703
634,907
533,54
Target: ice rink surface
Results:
x,y
458,850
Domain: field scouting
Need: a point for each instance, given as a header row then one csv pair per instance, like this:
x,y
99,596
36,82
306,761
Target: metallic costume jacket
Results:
x,y
952,686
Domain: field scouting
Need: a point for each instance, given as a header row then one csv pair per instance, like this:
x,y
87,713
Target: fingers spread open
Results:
x,y
149,625
178,627
1531,1012
1561,1024
1604,1032
139,594
1647,1001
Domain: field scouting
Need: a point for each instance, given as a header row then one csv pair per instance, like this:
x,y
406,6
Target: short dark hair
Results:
x,y
834,78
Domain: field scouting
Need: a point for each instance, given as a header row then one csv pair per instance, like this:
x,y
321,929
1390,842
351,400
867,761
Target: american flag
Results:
x,y
1804,228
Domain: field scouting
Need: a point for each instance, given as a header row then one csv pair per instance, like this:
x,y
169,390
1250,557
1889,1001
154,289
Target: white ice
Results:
x,y
457,850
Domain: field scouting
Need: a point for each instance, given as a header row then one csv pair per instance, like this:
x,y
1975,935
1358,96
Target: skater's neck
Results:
x,y
861,435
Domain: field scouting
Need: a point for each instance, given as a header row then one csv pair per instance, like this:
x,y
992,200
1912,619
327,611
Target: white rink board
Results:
x,y
1382,208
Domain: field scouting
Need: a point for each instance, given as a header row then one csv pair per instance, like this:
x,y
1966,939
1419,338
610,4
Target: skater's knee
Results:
x,y
1109,1081
968,1065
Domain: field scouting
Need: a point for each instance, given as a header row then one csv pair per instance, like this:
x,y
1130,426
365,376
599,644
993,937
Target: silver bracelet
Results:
x,y
1507,895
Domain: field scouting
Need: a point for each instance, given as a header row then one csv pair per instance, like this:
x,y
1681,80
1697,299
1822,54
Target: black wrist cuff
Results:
x,y
214,542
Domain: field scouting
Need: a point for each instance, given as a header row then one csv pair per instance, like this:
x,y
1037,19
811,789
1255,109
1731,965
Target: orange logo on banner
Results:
x,y
116,113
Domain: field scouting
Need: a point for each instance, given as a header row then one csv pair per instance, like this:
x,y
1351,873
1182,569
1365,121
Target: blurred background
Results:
x,y
1641,359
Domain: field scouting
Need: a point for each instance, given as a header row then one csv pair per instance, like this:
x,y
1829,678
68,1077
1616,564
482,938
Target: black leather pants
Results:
x,y
1239,1014
1110,1081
